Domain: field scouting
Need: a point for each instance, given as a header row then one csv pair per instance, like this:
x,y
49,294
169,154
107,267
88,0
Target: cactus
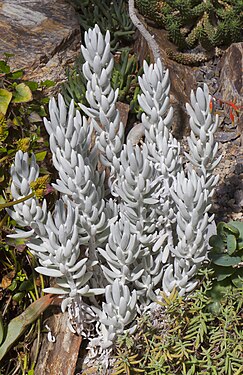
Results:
x,y
210,24
112,248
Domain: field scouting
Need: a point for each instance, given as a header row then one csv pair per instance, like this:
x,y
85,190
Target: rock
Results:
x,y
239,197
231,79
38,33
58,357
226,136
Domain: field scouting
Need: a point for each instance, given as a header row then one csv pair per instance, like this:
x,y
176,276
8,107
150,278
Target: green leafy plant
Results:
x,y
109,15
183,337
19,289
22,105
226,253
125,78
18,325
226,257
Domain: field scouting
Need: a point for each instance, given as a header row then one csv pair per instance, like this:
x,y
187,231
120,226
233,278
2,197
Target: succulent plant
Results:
x,y
124,77
190,23
226,253
150,230
108,15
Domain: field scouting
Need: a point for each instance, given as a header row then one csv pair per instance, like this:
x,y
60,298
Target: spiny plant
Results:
x,y
190,23
112,246
183,337
109,15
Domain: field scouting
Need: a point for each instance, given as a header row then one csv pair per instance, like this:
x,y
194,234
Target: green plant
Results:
x,y
109,15
18,325
226,253
20,287
210,23
226,257
22,105
183,337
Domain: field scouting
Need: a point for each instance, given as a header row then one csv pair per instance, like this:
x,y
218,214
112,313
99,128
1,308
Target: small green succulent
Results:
x,y
185,337
227,252
109,15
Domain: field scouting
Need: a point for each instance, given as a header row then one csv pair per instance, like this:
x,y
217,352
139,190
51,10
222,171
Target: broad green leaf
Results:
x,y
221,229
223,272
48,83
4,67
231,244
5,99
40,156
237,282
32,85
18,325
26,286
2,200
240,245
22,93
13,285
16,75
17,297
216,242
225,260
231,229
238,225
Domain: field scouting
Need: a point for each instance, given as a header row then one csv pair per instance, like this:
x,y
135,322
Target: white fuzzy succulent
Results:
x,y
101,97
24,171
203,148
151,231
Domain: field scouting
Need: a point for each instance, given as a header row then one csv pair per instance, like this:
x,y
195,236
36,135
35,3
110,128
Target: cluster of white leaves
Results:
x,y
24,171
100,95
151,232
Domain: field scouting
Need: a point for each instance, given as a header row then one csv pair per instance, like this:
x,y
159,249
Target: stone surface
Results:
x,y
231,80
58,357
42,34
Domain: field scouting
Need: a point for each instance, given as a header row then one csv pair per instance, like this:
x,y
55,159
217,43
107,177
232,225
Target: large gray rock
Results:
x,y
38,32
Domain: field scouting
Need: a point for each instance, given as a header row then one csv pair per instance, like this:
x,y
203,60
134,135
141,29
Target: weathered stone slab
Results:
x,y
231,80
36,30
58,357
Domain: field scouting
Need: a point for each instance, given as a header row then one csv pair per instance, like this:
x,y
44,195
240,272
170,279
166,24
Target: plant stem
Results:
x,y
153,45
10,204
